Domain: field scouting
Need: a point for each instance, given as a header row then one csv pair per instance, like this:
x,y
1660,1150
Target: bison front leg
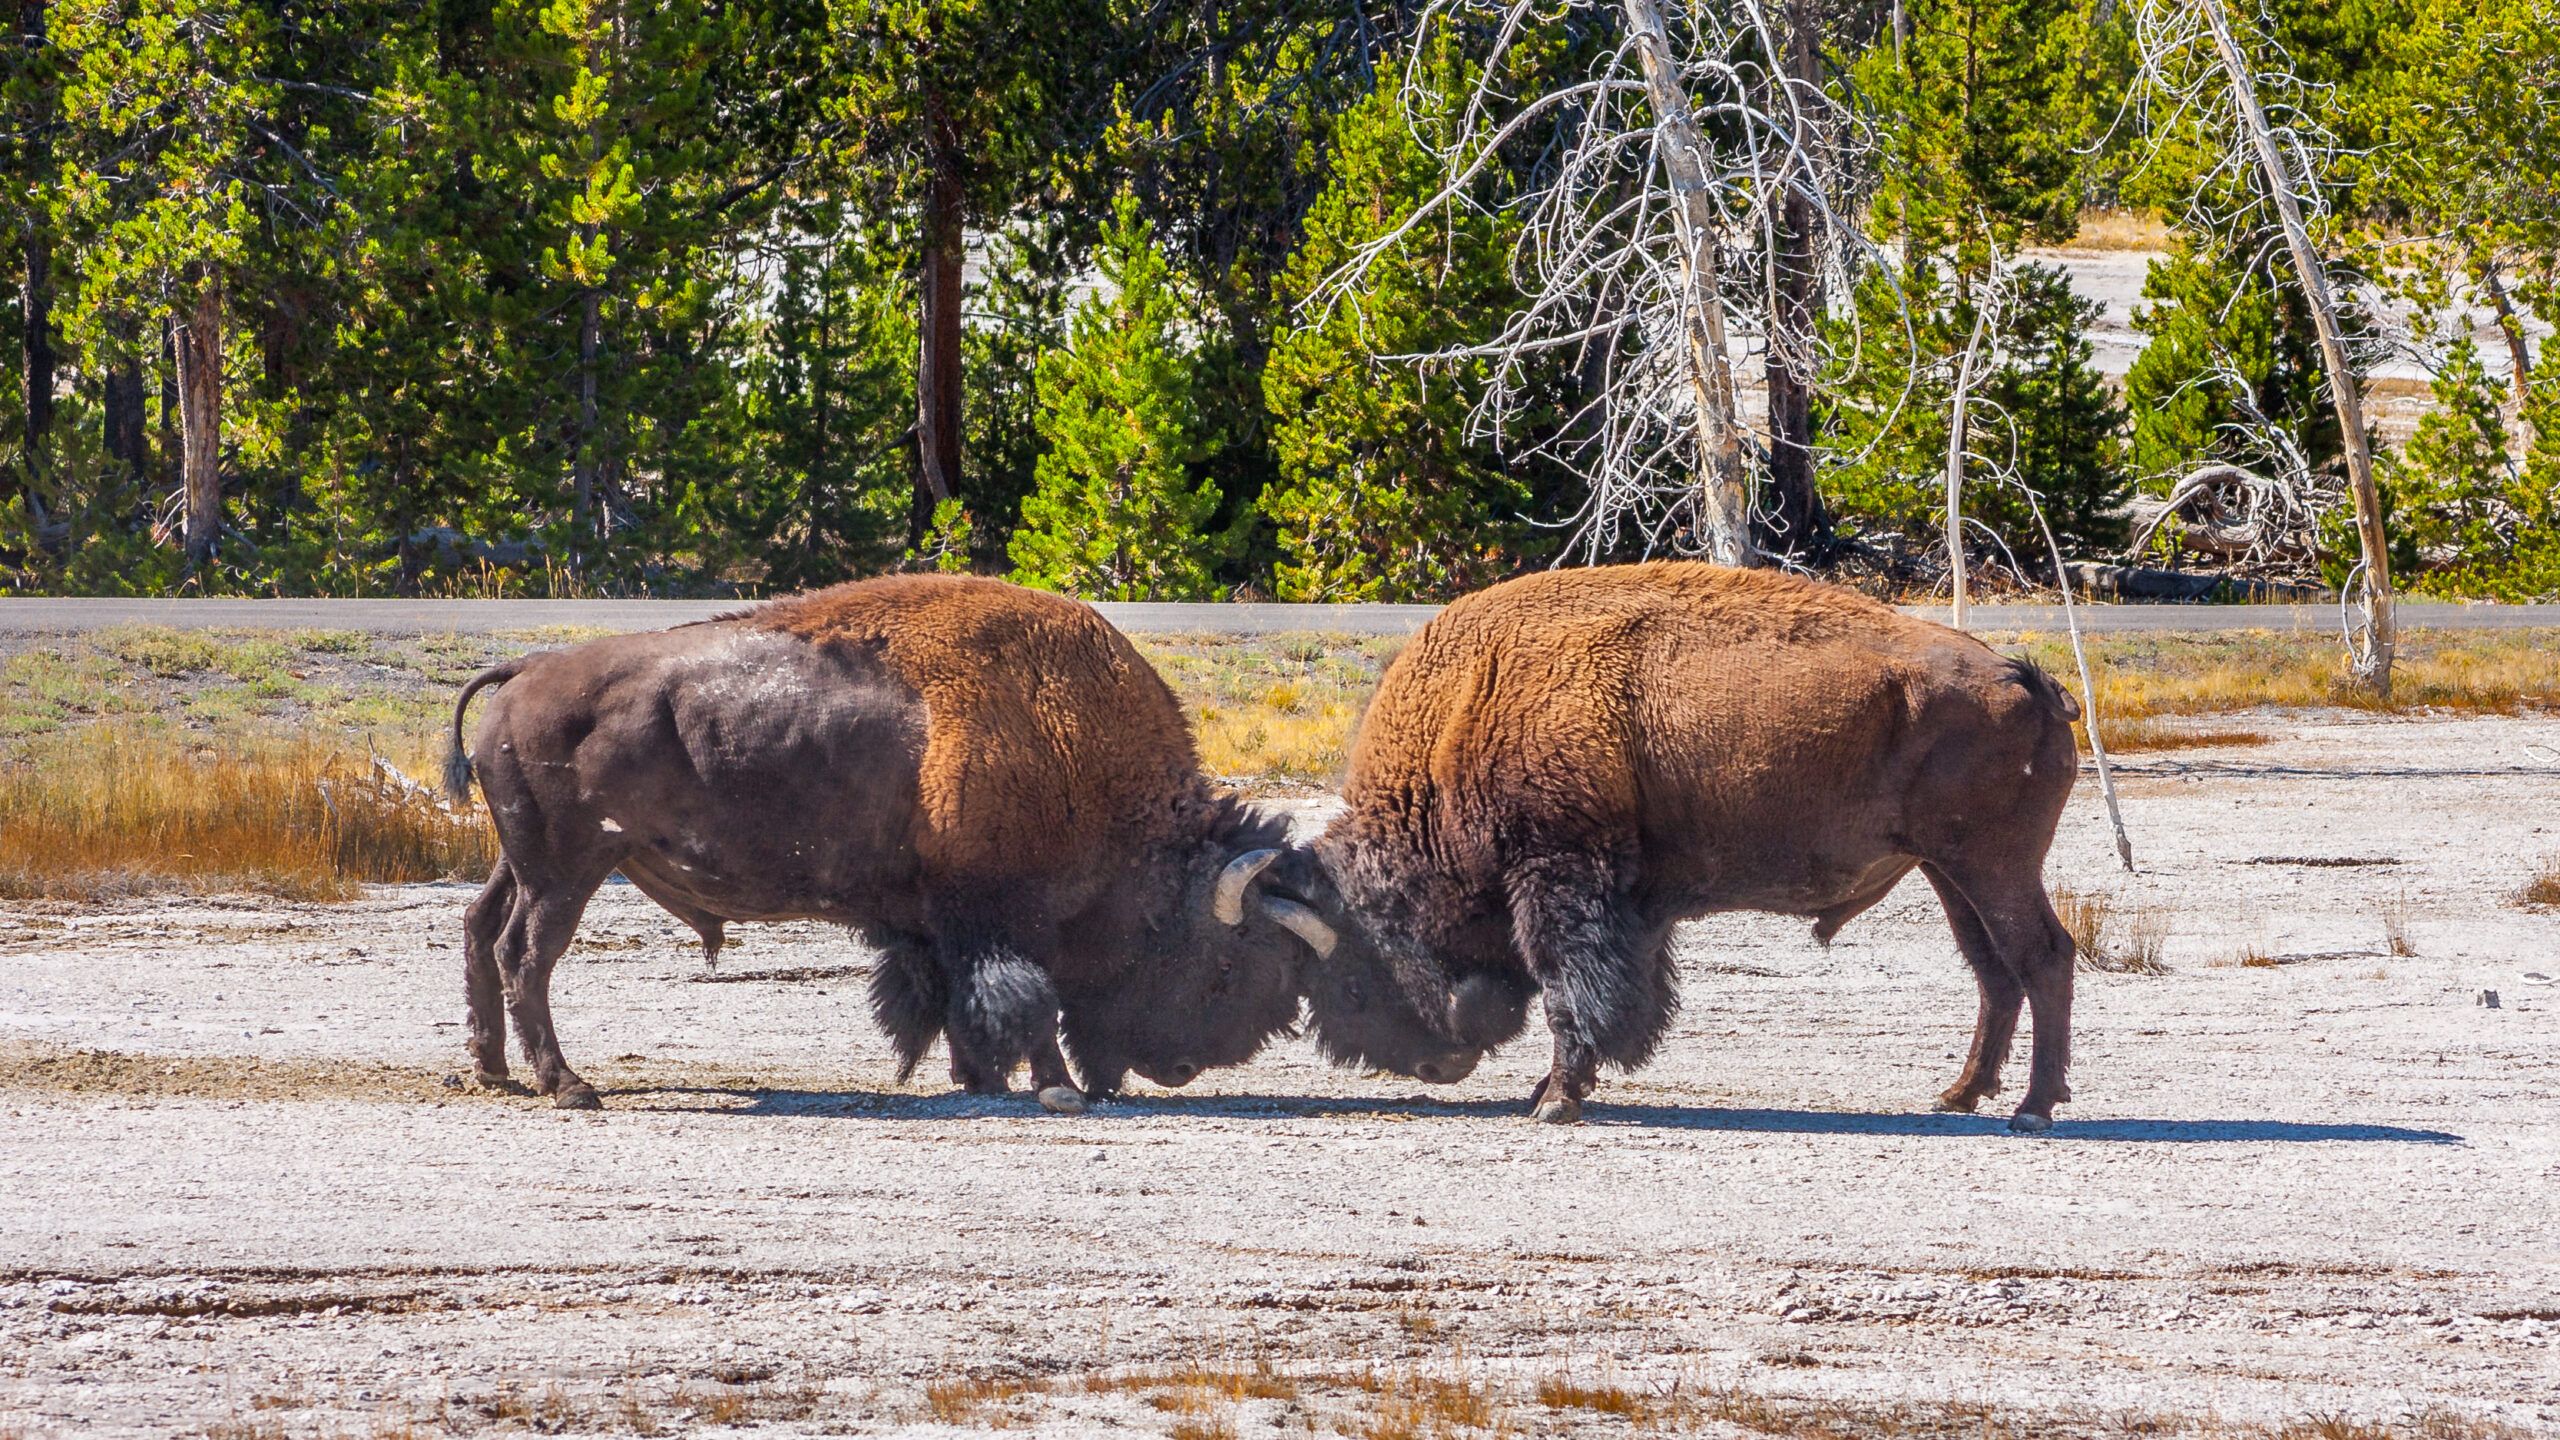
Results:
x,y
1002,1011
1607,989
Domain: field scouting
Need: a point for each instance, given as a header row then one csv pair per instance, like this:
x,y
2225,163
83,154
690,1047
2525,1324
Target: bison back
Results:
x,y
1729,739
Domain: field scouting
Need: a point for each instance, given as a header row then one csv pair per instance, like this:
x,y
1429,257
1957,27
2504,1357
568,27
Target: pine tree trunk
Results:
x,y
2374,667
1797,524
36,357
170,462
2519,355
199,344
582,464
35,350
938,363
1724,499
123,399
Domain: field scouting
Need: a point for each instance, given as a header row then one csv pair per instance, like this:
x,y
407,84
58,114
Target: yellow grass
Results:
x,y
2144,676
1558,1393
1276,710
2109,940
121,808
960,1400
2542,889
2120,229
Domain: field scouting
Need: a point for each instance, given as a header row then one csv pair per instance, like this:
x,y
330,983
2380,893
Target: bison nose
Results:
x,y
1180,1075
1446,1069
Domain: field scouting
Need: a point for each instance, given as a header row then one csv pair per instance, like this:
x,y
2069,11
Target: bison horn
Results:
x,y
1302,922
1238,877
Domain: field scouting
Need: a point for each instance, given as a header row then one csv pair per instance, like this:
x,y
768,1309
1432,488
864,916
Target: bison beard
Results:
x,y
908,998
1558,769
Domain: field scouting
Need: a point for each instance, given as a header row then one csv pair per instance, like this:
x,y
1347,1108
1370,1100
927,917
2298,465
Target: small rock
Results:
x,y
2488,999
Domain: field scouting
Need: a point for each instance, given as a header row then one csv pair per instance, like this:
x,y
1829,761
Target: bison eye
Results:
x,y
1352,992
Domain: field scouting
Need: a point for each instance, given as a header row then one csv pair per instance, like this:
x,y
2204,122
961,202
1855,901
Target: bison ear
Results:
x,y
1227,902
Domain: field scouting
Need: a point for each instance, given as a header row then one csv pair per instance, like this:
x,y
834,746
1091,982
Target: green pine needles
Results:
x,y
1118,512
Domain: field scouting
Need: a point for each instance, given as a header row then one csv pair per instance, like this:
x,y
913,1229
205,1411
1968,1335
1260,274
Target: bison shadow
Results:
x,y
878,1105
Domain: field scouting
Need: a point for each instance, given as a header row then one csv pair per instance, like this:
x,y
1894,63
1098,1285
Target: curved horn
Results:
x,y
1302,922
1238,877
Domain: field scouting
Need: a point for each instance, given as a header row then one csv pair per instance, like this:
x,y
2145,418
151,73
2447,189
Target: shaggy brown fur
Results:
x,y
988,782
1561,767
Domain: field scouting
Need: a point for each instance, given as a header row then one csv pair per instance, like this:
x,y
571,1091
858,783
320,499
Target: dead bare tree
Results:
x,y
1987,306
1651,214
2192,59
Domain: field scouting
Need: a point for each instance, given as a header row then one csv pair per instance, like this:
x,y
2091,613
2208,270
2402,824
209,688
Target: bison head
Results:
x,y
1374,1002
1222,979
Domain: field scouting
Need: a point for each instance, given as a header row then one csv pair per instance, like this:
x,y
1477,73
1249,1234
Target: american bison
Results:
x,y
1559,768
988,783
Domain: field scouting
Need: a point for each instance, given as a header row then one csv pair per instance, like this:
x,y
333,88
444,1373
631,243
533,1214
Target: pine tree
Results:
x,y
1117,514
2040,410
2479,525
1384,494
1986,111
2229,353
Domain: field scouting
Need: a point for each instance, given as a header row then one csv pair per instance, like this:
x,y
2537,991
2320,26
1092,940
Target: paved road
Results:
x,y
418,617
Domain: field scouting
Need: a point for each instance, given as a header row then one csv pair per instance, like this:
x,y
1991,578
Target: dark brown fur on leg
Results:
x,y
1608,993
484,990
908,997
2030,938
1002,1011
539,934
1997,1021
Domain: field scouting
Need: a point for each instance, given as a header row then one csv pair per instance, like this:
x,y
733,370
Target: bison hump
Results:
x,y
1047,734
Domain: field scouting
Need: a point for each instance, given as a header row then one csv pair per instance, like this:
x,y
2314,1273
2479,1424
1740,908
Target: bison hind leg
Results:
x,y
908,998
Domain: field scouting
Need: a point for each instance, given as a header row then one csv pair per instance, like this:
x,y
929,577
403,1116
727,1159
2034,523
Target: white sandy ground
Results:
x,y
2331,1187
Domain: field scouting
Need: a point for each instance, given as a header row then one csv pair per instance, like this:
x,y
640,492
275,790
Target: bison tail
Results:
x,y
2044,687
457,761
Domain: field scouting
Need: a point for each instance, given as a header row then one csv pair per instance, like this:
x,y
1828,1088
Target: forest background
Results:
x,y
595,297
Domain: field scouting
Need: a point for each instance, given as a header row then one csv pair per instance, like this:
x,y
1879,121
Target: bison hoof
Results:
x,y
1955,1102
1560,1110
2027,1122
501,1083
581,1096
1062,1100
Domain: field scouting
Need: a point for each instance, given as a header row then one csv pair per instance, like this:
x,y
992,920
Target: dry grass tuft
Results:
x,y
2542,890
2116,228
1412,1405
2171,733
2395,925
960,1401
1558,1393
1197,1427
116,809
2131,947
2430,1425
